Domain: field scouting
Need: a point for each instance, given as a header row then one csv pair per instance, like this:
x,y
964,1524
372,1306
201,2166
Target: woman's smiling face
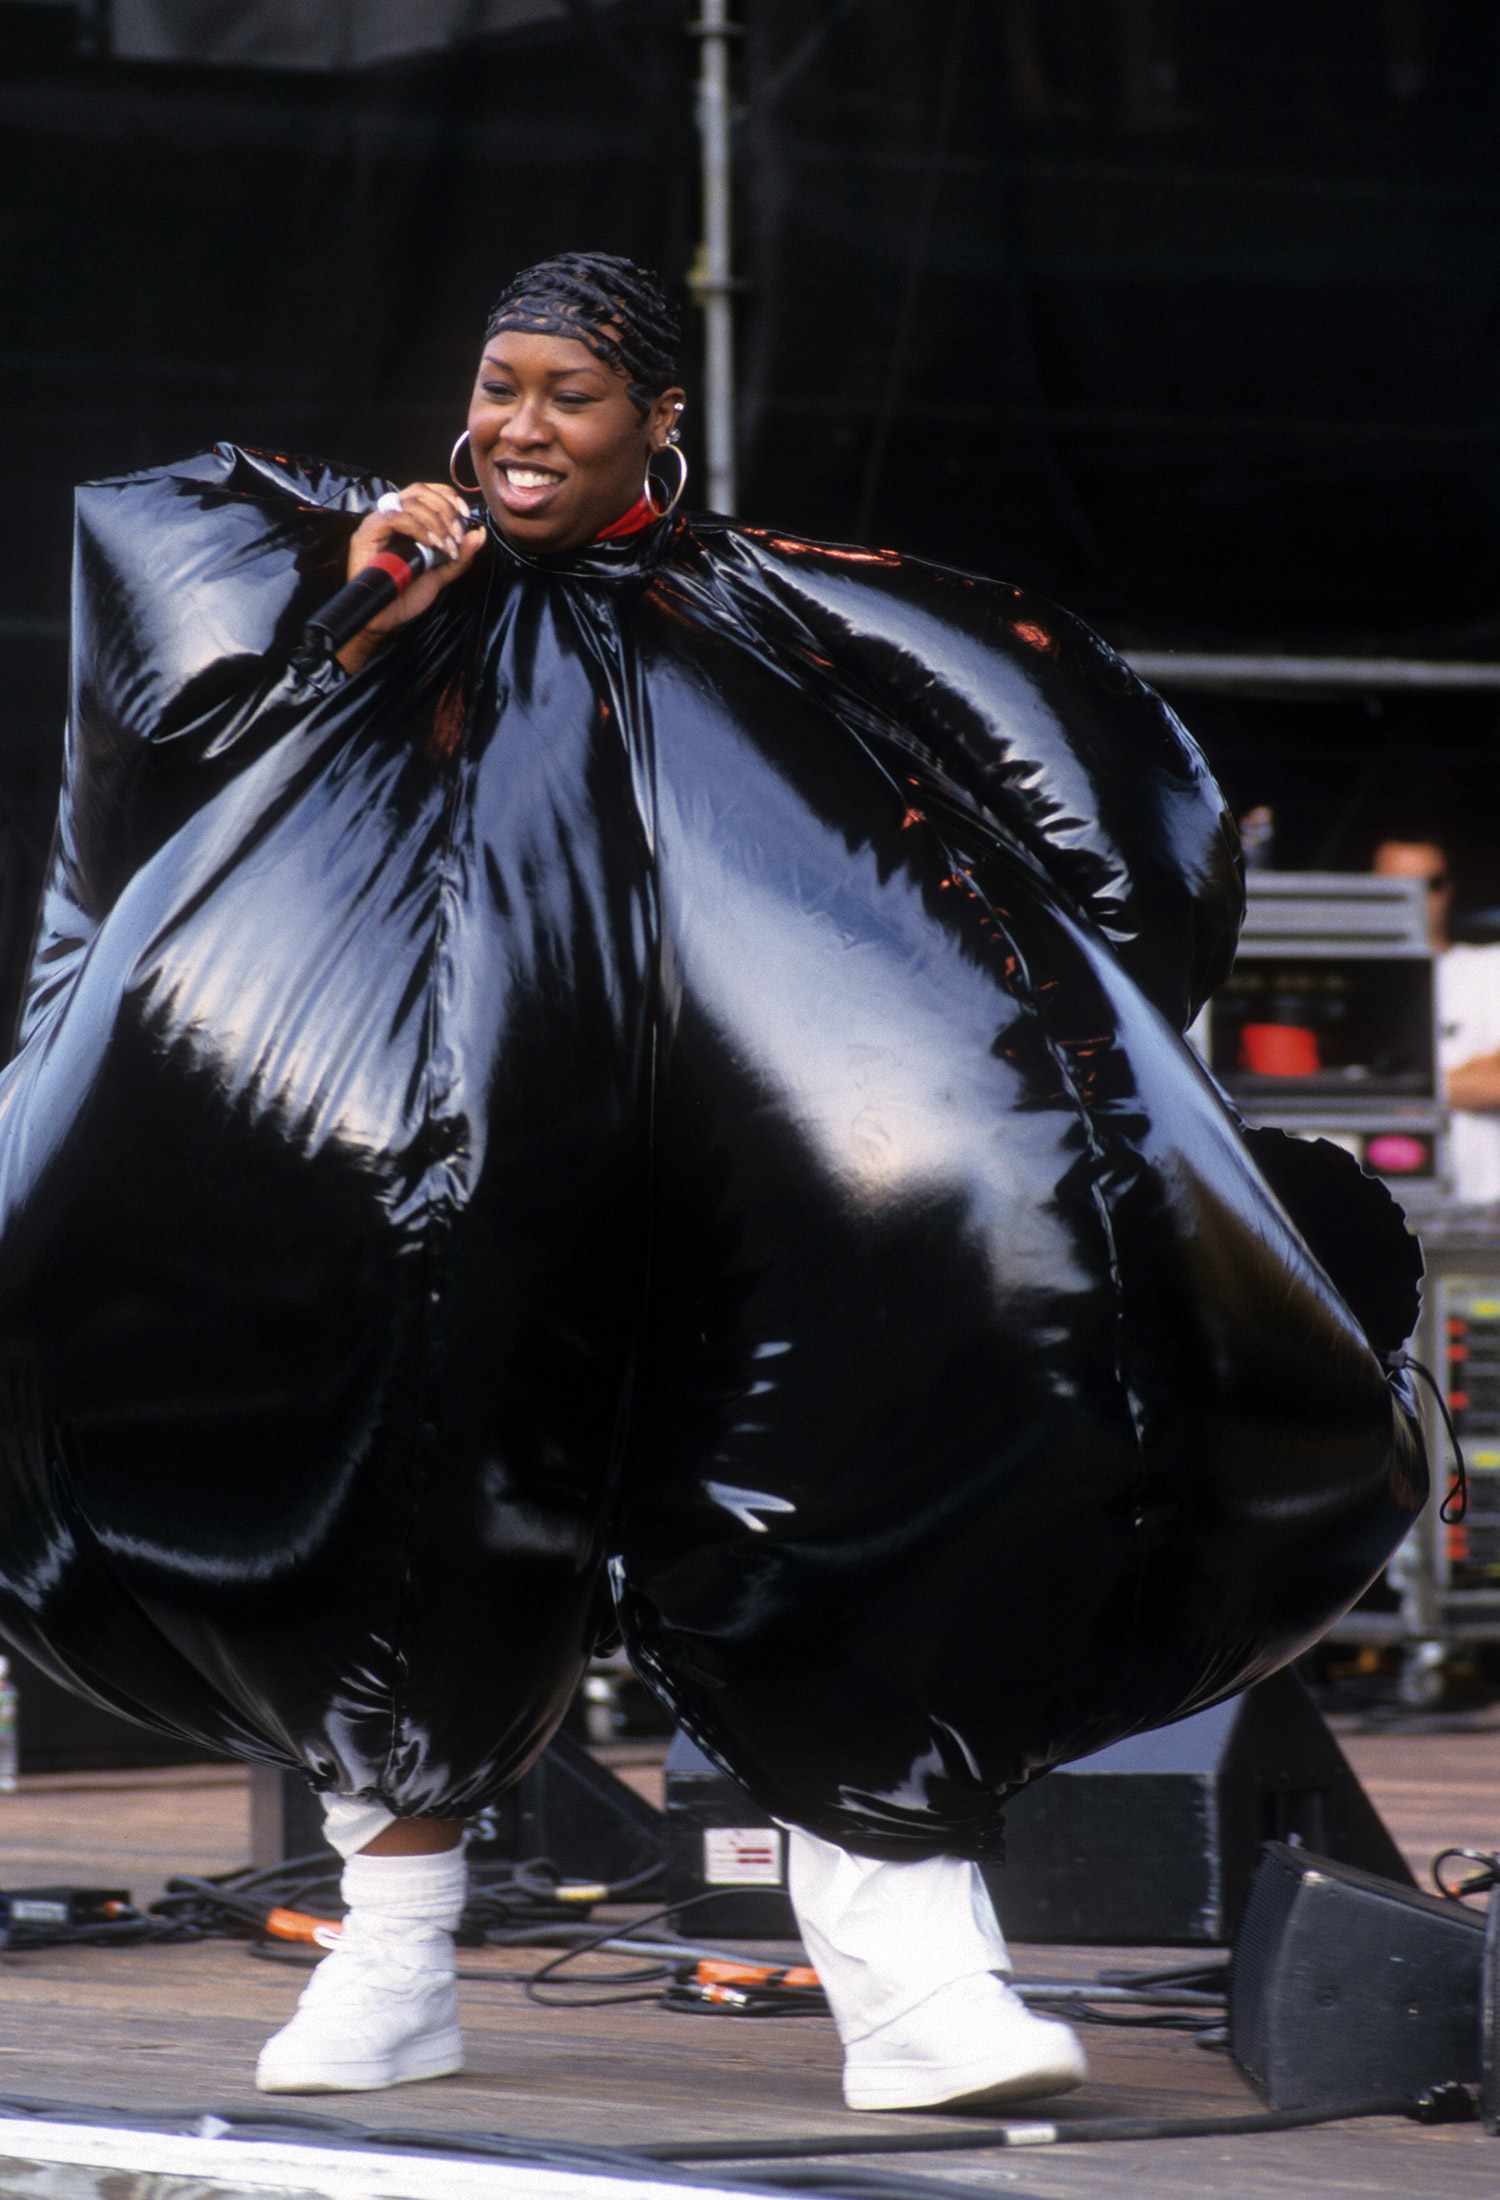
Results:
x,y
558,447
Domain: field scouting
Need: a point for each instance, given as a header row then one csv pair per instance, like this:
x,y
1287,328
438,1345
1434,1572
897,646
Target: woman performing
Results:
x,y
649,1092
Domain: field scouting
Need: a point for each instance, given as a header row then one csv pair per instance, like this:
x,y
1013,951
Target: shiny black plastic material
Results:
x,y
673,1073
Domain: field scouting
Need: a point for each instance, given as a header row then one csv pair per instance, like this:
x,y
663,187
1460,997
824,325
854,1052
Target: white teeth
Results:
x,y
527,477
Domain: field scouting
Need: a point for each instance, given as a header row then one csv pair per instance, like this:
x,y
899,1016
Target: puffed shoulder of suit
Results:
x,y
663,1091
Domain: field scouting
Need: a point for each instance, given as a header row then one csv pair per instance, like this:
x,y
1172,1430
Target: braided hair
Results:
x,y
617,309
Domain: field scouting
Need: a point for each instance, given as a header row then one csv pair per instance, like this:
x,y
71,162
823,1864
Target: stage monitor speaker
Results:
x,y
569,1809
573,1811
724,1855
1154,1842
1345,1987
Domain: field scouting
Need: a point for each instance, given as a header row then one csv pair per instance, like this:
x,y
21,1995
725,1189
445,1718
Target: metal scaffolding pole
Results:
x,y
1284,672
712,278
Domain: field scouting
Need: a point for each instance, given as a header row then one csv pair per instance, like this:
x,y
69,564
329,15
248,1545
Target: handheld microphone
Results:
x,y
347,613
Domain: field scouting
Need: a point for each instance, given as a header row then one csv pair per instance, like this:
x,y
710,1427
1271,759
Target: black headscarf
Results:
x,y
618,310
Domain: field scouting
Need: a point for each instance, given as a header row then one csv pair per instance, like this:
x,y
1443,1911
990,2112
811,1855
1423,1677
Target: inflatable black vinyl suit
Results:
x,y
669,1080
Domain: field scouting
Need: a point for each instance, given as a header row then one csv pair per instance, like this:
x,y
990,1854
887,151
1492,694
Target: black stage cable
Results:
x,y
1488,1873
1200,2015
860,2184
507,1900
546,1975
1161,2020
1455,1504
276,1909
1206,1978
1439,2105
524,1904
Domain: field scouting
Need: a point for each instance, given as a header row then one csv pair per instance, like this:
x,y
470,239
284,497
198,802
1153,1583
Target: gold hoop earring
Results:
x,y
470,488
668,450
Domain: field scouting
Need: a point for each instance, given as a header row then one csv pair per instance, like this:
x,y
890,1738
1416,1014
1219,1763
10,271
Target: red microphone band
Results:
x,y
395,567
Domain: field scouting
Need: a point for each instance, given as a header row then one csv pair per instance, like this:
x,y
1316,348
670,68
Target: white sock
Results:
x,y
350,1822
422,1890
425,1893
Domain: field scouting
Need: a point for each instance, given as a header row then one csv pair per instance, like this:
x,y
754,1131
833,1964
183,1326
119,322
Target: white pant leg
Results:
x,y
883,1937
350,1824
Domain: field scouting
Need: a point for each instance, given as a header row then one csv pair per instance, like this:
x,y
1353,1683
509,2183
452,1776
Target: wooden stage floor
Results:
x,y
178,2028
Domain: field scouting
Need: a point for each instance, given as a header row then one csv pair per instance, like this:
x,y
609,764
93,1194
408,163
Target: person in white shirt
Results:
x,y
1468,1005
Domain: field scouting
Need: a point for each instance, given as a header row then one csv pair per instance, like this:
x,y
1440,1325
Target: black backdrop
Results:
x,y
1190,310
1183,309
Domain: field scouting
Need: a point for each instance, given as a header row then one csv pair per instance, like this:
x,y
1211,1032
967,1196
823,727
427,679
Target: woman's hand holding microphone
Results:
x,y
428,512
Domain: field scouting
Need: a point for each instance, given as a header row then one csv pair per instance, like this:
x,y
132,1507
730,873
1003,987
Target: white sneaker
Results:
x,y
974,2041
382,2009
